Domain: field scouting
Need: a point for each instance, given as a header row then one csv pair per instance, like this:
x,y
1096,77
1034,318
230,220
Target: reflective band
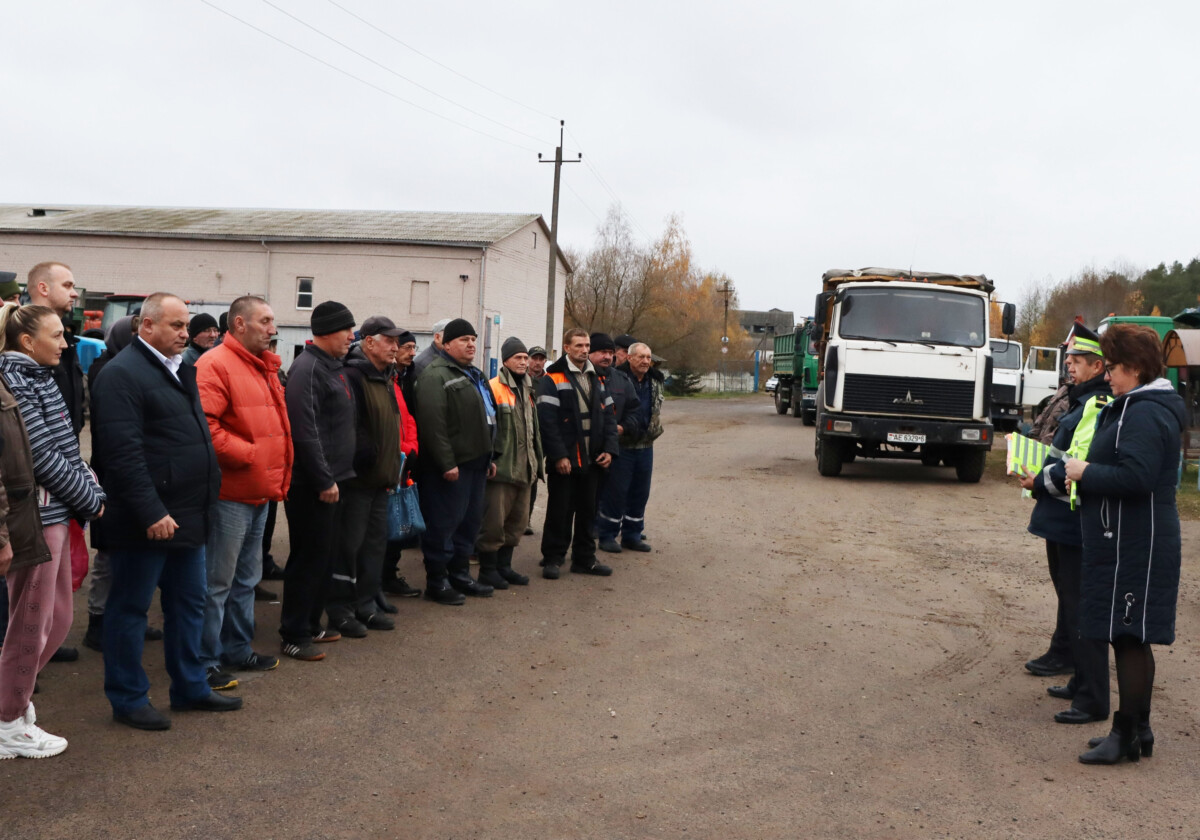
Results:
x,y
454,381
1087,345
548,400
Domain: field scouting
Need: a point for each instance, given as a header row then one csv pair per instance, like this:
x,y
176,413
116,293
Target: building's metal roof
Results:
x,y
473,229
778,321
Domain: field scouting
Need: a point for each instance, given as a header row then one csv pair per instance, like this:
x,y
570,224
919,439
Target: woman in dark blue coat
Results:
x,y
1131,548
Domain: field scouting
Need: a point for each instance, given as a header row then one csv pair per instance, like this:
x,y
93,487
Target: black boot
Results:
x,y
94,637
488,573
1122,742
1144,732
504,562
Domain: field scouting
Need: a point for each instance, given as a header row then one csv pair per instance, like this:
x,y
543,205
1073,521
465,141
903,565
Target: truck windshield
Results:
x,y
926,316
1006,356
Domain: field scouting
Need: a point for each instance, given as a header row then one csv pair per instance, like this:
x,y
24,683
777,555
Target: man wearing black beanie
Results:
x,y
202,333
321,411
456,426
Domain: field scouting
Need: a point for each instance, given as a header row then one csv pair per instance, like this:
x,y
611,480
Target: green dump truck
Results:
x,y
796,369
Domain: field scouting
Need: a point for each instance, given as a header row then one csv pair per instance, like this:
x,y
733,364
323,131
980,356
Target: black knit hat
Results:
x,y
405,337
457,329
200,323
511,347
330,317
602,341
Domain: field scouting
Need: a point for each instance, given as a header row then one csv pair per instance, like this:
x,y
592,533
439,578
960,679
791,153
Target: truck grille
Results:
x,y
1004,394
908,395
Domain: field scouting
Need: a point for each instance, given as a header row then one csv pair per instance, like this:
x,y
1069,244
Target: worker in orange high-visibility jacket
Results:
x,y
579,438
518,468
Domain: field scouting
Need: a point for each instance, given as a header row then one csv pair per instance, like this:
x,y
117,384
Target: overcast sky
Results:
x,y
1023,140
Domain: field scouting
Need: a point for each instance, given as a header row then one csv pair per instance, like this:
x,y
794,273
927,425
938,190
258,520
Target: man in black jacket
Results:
x,y
625,409
162,478
321,410
579,439
362,542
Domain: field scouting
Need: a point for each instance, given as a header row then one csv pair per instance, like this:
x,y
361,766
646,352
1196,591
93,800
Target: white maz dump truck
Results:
x,y
906,368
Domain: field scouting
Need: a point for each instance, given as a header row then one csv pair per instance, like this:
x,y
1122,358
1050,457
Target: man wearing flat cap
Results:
x,y
518,468
370,370
621,353
456,422
431,352
321,410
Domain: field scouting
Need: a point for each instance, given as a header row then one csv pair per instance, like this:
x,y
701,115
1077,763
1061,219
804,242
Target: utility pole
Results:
x,y
551,281
725,333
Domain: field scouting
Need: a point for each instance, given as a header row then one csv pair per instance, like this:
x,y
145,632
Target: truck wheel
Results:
x,y
809,417
829,457
781,407
969,465
797,407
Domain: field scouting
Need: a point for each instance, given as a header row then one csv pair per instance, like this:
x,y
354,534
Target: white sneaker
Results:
x,y
26,740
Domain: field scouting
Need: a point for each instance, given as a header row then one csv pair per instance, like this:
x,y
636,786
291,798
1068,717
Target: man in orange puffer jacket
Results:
x,y
247,416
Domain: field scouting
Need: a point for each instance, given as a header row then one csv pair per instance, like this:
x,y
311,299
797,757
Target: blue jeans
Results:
x,y
623,505
136,573
234,559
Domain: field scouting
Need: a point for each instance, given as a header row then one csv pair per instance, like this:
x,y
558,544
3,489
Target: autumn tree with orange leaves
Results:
x,y
655,293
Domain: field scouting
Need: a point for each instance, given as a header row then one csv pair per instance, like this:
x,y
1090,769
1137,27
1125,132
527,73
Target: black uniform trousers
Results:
x,y
1060,642
313,534
1090,656
570,515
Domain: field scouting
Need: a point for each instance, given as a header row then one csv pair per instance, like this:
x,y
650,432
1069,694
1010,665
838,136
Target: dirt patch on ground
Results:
x,y
799,657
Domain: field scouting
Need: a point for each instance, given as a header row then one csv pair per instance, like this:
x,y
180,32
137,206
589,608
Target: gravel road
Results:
x,y
799,657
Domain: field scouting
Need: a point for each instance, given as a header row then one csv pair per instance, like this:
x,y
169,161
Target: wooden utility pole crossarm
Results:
x,y
553,277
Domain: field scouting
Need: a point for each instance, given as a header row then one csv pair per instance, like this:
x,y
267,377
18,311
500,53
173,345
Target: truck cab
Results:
x,y
1006,384
906,369
796,372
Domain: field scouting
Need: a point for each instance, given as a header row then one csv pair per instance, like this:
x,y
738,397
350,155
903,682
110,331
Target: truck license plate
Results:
x,y
904,437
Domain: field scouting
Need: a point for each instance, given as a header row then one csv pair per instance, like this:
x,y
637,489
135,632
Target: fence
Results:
x,y
734,376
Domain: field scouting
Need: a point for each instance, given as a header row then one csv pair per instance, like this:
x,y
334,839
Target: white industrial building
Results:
x,y
414,267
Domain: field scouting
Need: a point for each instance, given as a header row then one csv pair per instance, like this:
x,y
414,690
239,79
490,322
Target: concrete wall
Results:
x,y
370,278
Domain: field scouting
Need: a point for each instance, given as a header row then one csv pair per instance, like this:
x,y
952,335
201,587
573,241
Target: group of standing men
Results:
x,y
195,440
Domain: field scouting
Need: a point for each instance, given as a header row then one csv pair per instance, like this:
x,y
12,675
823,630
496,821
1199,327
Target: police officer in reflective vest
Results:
x,y
1056,519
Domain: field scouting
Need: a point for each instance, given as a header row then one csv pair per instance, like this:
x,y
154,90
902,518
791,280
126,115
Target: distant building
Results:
x,y
414,267
764,326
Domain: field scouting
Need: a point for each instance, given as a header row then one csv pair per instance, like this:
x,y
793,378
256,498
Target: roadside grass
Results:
x,y
1187,499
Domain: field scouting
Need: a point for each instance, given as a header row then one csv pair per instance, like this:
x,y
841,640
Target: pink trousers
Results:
x,y
39,617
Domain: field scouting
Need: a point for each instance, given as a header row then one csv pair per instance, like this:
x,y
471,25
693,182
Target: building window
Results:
x,y
418,298
535,240
304,293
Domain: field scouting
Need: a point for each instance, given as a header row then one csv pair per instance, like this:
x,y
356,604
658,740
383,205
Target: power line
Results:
x,y
398,75
584,203
600,178
446,67
361,80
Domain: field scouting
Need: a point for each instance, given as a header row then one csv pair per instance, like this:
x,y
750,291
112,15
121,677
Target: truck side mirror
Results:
x,y
821,309
1008,320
